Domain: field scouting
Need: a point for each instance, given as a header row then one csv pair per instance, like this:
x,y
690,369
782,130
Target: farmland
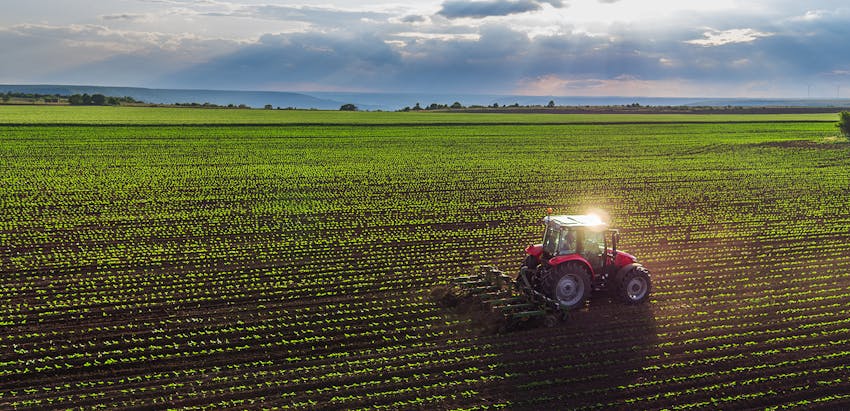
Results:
x,y
169,258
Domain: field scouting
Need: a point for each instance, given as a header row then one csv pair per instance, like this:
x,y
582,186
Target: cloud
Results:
x,y
493,59
626,85
188,2
96,54
811,15
413,19
437,36
87,36
125,17
454,9
315,15
345,61
265,45
713,38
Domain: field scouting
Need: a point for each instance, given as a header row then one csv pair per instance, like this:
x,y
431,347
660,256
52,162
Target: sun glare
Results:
x,y
598,216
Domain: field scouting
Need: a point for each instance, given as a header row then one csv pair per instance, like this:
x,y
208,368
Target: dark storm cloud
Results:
x,y
818,41
460,64
499,58
95,54
453,9
384,52
343,61
495,61
124,69
805,47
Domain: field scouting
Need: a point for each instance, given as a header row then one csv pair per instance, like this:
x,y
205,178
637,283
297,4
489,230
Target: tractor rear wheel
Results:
x,y
570,286
634,285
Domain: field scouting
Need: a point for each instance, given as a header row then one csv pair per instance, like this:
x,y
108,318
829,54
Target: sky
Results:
x,y
665,48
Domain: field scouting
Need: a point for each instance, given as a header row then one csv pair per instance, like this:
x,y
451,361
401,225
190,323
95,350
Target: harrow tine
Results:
x,y
489,298
464,280
483,289
516,307
505,301
473,283
528,314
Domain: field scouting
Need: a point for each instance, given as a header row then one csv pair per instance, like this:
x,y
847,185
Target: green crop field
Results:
x,y
66,115
168,258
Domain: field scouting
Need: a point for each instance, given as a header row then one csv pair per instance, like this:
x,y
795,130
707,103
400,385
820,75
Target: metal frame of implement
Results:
x,y
515,300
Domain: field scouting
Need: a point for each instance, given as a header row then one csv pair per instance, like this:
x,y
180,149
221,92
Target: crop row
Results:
x,y
289,266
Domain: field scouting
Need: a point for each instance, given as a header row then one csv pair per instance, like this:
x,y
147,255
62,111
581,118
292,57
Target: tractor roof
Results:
x,y
588,220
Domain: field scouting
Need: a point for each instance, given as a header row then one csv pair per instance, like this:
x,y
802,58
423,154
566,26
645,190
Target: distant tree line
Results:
x,y
75,99
210,105
458,106
99,100
632,107
47,98
435,106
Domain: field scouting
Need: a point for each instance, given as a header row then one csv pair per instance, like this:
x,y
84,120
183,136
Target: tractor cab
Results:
x,y
571,237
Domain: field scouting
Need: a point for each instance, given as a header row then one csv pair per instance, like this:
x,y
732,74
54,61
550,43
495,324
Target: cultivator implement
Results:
x,y
578,255
512,301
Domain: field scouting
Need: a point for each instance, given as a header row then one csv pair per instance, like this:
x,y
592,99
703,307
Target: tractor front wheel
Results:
x,y
635,285
571,285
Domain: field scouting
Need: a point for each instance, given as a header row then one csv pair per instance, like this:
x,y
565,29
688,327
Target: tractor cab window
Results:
x,y
593,247
550,240
594,243
567,245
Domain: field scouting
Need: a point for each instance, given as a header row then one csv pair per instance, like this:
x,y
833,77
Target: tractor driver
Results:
x,y
568,242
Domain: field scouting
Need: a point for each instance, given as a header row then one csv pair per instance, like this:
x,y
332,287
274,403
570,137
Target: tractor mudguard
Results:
x,y
623,259
535,250
623,270
556,261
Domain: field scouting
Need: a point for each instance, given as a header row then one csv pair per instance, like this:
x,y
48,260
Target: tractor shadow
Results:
x,y
579,362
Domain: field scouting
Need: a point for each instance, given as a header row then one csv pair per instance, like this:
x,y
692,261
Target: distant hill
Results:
x,y
771,102
170,96
396,101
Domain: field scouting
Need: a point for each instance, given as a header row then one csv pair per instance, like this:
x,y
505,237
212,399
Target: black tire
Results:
x,y
634,285
570,285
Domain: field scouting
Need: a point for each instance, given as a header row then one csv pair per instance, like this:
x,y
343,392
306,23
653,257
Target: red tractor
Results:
x,y
578,254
